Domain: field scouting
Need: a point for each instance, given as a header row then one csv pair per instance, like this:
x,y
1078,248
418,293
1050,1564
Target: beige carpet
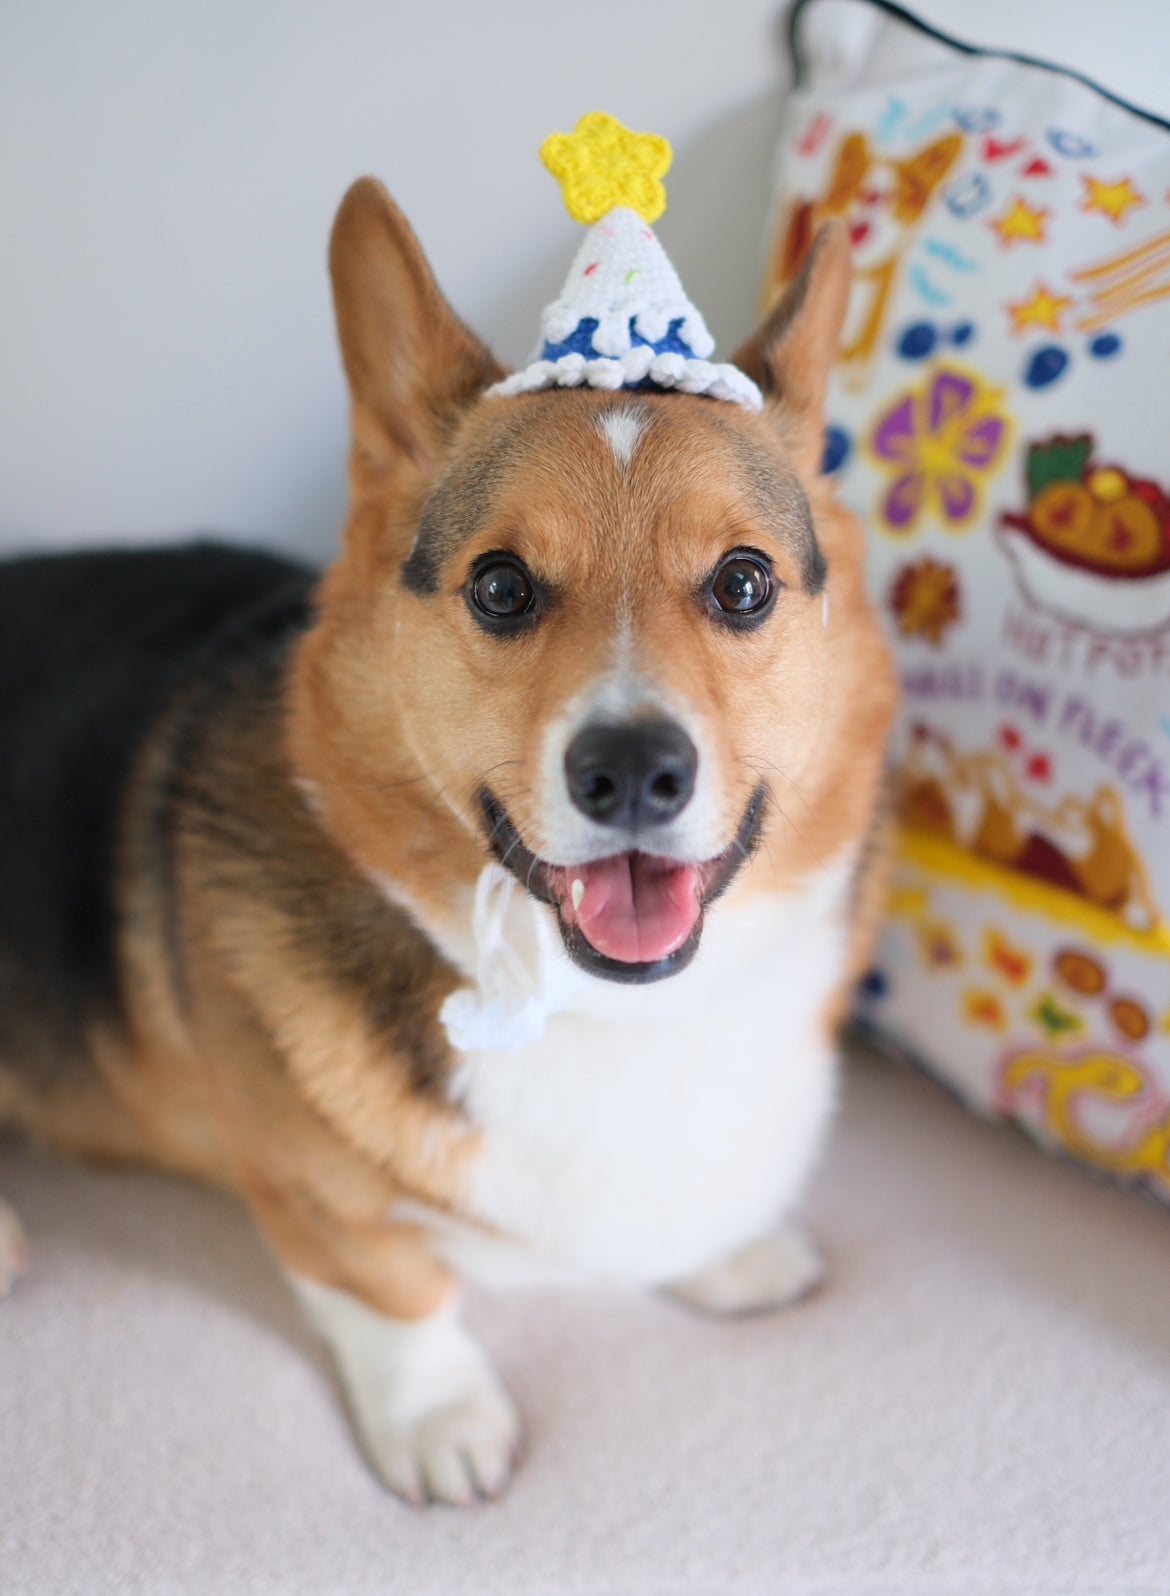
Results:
x,y
980,1402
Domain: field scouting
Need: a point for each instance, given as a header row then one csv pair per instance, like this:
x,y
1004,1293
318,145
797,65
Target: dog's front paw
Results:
x,y
460,1453
13,1250
779,1269
433,1418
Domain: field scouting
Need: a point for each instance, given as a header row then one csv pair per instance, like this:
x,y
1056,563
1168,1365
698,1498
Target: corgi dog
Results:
x,y
487,906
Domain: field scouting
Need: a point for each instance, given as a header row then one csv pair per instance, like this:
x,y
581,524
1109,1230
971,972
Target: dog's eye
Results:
x,y
741,586
503,590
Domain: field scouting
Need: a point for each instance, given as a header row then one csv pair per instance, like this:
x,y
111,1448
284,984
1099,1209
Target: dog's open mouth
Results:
x,y
633,917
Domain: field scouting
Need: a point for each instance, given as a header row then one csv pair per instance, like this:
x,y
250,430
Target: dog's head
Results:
x,y
618,640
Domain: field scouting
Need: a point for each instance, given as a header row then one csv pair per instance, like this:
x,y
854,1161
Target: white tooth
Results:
x,y
577,892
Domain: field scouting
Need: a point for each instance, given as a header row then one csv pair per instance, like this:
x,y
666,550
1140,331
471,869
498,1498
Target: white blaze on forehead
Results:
x,y
622,429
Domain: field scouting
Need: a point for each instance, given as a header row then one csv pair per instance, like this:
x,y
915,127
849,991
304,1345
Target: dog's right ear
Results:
x,y
791,355
411,363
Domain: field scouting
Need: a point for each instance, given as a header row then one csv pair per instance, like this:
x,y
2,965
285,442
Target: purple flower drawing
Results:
x,y
939,443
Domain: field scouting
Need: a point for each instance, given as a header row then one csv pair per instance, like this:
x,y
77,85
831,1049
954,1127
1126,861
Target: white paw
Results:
x,y
13,1251
462,1453
433,1418
779,1269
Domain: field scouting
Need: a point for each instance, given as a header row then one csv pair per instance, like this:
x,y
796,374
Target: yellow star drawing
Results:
x,y
602,164
1022,222
1110,199
1043,309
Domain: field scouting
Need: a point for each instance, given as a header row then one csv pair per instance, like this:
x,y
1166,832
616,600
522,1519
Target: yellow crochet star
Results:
x,y
1043,309
1023,222
1111,199
602,164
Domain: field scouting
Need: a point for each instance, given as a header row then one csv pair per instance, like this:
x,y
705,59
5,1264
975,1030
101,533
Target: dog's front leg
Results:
x,y
13,1252
778,1269
432,1415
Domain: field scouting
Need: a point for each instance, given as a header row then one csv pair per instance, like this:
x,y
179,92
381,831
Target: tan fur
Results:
x,y
253,1054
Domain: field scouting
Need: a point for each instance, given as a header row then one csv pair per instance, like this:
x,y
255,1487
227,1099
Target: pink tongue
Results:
x,y
634,908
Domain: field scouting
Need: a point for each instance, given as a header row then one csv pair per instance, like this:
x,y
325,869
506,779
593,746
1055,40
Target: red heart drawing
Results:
x,y
818,130
1040,767
859,232
993,150
1037,168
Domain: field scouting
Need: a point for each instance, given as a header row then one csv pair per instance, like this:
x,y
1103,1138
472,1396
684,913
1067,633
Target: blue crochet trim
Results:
x,y
672,344
580,341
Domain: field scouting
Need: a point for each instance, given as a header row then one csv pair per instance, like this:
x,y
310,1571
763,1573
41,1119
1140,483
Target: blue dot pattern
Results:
x,y
1045,366
836,450
1104,345
917,341
874,984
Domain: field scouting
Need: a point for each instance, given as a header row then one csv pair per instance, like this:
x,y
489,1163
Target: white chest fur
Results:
x,y
650,1130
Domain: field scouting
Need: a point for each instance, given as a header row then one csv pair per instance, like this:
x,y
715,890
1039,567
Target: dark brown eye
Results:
x,y
742,586
503,590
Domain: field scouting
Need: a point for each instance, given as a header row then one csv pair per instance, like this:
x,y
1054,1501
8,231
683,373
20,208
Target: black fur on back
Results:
x,y
92,649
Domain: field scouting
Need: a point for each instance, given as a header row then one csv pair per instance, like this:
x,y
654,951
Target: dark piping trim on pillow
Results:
x,y
800,65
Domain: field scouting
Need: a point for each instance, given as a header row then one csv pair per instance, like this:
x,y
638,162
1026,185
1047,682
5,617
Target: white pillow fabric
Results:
x,y
1001,422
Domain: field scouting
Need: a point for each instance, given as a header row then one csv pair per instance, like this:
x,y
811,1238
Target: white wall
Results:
x,y
169,171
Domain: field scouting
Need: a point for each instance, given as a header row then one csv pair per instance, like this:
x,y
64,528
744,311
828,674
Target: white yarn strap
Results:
x,y
523,974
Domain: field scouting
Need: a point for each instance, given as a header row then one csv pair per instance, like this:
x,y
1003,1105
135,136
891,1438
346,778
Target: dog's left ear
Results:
x,y
791,353
412,365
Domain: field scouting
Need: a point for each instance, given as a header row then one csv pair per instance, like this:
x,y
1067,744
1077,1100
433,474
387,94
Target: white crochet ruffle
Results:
x,y
637,365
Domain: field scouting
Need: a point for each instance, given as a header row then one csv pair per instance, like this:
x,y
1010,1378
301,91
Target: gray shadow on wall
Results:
x,y
720,195
311,530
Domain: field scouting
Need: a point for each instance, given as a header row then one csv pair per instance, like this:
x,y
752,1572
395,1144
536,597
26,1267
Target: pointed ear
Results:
x,y
411,363
791,353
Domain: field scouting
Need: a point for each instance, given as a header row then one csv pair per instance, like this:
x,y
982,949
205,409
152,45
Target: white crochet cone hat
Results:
x,y
623,319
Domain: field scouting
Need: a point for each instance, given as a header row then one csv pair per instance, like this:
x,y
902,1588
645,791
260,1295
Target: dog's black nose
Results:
x,y
631,776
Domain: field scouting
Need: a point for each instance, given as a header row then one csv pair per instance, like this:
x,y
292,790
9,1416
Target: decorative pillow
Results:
x,y
1001,422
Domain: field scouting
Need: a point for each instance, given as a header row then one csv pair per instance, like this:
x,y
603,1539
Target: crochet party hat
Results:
x,y
623,319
